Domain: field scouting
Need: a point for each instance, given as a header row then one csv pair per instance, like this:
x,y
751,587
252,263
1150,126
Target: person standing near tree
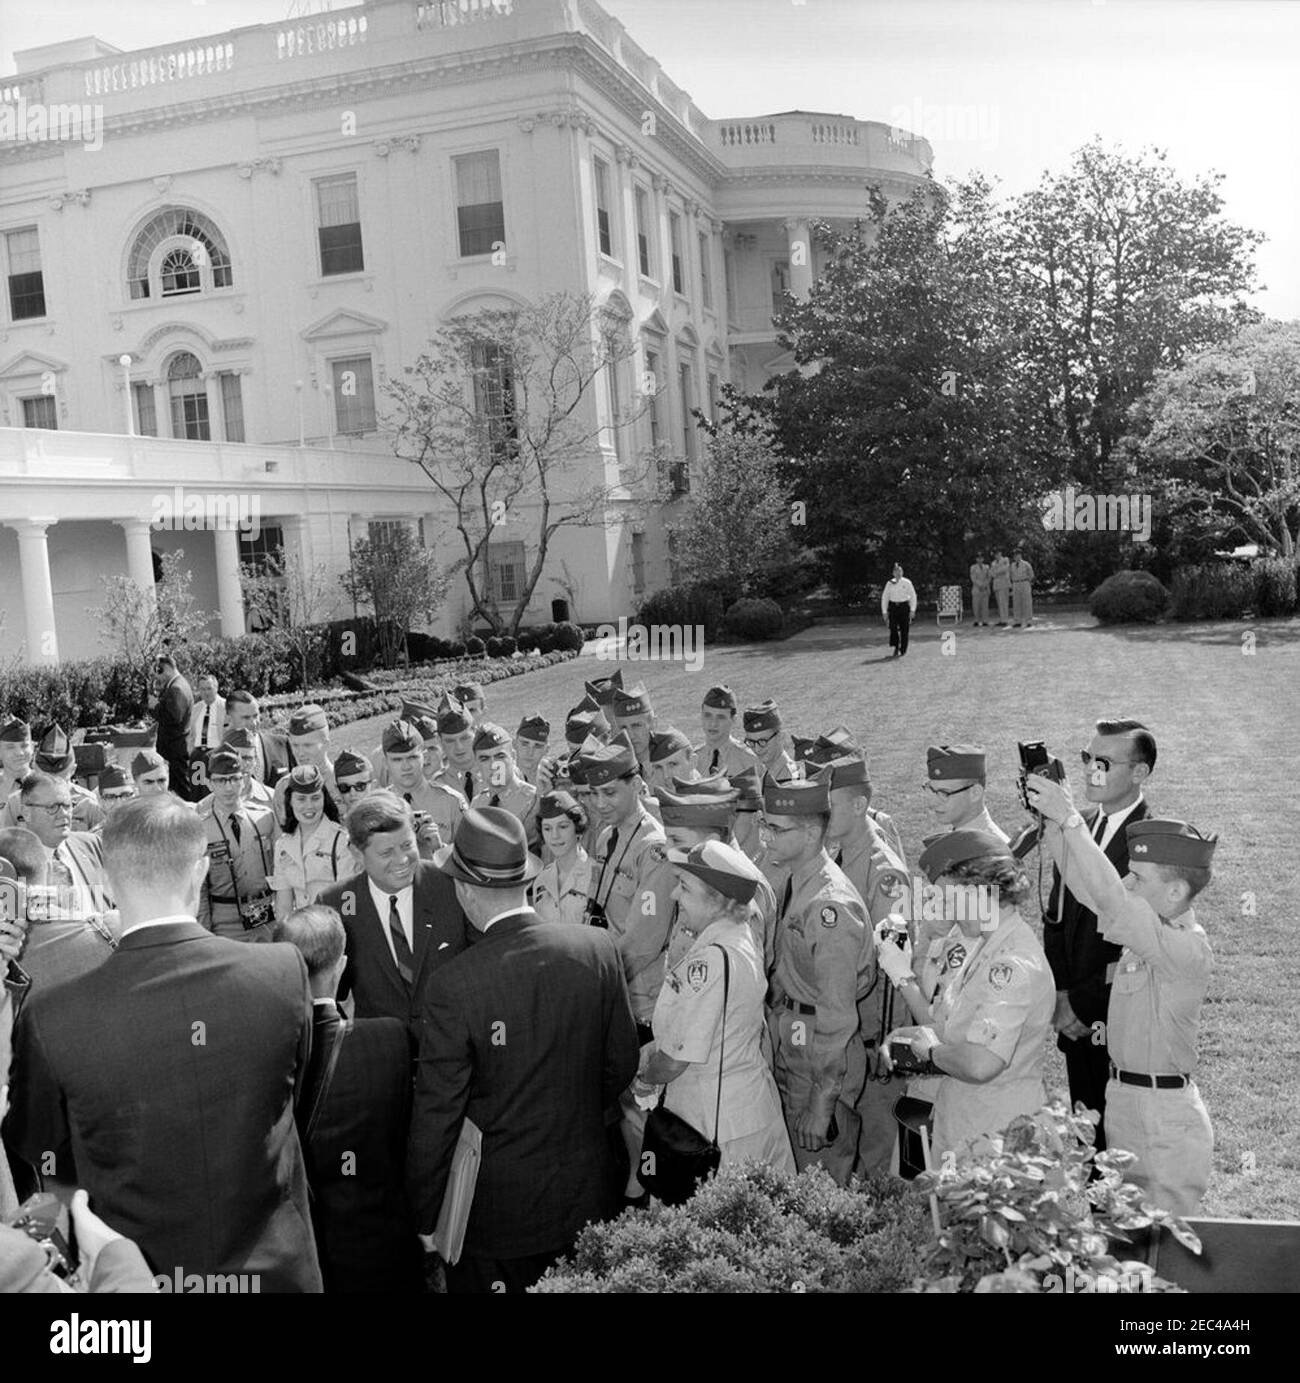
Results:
x,y
1022,591
1001,573
980,576
898,606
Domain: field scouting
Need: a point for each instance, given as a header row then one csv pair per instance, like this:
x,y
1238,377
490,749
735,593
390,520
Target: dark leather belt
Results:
x,y
808,1010
1149,1082
234,902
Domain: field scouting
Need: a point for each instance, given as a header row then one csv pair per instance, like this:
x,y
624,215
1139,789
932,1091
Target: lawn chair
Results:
x,y
949,605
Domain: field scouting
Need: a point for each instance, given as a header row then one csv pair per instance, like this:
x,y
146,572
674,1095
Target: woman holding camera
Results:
x,y
312,853
723,1088
560,890
986,1027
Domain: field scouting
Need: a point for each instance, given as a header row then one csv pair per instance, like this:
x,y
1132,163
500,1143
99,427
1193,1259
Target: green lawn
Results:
x,y
1228,728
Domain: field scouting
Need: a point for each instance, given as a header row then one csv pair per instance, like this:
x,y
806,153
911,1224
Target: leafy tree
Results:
x,y
400,581
1220,439
500,414
140,625
289,595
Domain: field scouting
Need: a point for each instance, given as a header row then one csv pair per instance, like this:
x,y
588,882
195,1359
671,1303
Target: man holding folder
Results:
x,y
529,1036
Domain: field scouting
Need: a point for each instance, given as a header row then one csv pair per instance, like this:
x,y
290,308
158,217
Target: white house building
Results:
x,y
216,254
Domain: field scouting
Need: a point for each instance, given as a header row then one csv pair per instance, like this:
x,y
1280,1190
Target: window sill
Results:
x,y
349,276
609,262
681,300
45,320
648,285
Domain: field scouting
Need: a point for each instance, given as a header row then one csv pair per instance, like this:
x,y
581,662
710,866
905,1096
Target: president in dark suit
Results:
x,y
172,711
1119,759
530,1035
401,915
354,1118
173,1069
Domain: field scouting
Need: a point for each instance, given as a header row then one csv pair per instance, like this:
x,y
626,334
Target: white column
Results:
x,y
125,362
799,240
230,592
38,593
139,556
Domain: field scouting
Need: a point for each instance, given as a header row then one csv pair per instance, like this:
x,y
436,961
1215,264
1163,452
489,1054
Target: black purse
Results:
x,y
675,1157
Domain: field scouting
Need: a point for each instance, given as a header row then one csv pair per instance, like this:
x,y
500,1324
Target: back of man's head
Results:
x,y
151,847
317,932
23,849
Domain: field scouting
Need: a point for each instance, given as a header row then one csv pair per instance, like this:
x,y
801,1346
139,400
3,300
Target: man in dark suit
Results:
x,y
529,1034
172,711
401,915
173,1068
243,713
1119,759
353,1119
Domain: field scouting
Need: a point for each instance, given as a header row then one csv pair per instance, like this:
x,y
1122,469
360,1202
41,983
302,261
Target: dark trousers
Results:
x,y
477,1275
900,619
178,779
1088,1067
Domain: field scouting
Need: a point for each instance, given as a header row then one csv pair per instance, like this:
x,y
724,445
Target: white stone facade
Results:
x,y
257,215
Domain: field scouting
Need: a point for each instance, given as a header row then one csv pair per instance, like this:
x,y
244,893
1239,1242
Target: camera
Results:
x,y
596,914
906,1062
1035,759
257,914
43,1218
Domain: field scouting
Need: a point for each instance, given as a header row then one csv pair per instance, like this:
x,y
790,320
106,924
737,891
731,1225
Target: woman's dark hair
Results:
x,y
291,817
578,815
1000,871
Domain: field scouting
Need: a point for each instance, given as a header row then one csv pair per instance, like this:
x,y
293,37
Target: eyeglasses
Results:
x,y
352,787
115,796
757,743
225,779
1101,761
53,808
946,792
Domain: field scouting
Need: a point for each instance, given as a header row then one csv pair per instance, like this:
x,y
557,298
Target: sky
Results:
x,y
1008,87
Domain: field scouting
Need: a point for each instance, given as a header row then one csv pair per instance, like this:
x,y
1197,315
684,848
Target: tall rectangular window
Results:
x,y
688,423
675,247
612,367
480,212
41,410
604,227
729,281
652,369
643,253
146,410
638,563
26,281
494,398
706,275
232,406
506,575
339,225
354,395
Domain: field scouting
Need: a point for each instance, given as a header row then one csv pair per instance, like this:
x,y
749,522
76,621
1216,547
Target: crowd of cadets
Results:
x,y
633,789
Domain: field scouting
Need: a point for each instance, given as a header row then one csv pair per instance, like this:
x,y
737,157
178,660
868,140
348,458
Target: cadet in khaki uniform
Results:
x,y
504,788
404,755
531,739
16,754
824,965
955,776
635,717
254,792
980,576
1001,574
236,899
54,755
880,877
721,751
631,895
1153,1108
670,757
766,740
456,730
1022,591
838,744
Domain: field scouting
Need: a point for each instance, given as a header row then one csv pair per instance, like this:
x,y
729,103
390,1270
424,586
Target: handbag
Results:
x,y
675,1156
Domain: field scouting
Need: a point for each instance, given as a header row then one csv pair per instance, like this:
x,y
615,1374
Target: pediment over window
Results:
x,y
31,363
617,305
344,322
655,324
688,336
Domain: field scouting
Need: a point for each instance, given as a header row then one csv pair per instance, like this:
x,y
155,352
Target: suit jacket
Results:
x,y
275,755
173,1067
371,976
217,727
173,716
1076,951
365,1232
530,1034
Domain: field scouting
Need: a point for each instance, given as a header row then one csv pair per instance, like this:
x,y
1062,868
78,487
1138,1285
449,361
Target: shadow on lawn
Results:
x,y
1268,632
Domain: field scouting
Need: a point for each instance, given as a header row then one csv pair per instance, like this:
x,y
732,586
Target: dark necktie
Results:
x,y
203,734
234,828
407,795
713,764
613,844
785,898
401,947
1100,828
839,856
496,800
469,787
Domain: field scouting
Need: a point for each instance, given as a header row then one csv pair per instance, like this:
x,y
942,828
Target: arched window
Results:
x,y
188,394
178,251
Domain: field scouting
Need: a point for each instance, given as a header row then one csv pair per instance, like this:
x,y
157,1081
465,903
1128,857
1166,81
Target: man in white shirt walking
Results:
x,y
898,606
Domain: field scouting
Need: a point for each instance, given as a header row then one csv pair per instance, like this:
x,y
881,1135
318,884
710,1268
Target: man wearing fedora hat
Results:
x,y
529,1034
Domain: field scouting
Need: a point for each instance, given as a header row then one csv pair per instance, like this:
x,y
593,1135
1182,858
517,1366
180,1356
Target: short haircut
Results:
x,y
1195,876
998,871
317,931
168,660
376,813
154,841
241,697
39,778
1143,741
23,849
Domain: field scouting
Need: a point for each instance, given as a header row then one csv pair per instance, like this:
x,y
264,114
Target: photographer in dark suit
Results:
x,y
401,915
172,1067
172,711
353,1119
1119,759
529,1034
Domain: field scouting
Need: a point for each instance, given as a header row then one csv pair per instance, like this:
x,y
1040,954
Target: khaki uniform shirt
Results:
x,y
445,805
454,779
1021,571
1001,572
570,905
980,575
236,868
879,876
733,758
519,799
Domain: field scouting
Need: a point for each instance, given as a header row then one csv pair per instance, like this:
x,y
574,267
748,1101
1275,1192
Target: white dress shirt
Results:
x,y
405,910
160,922
509,912
216,723
1113,823
902,589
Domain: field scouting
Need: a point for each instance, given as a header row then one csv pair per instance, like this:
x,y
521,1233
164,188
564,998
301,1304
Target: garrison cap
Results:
x,y
802,747
689,808
224,763
349,765
305,779
847,771
238,739
426,726
609,761
467,691
553,804
414,710
721,698
602,690
114,776
452,719
834,744
307,719
666,742
1166,841
54,753
491,736
956,847
146,761
948,761
534,727
583,725
401,737
808,798
749,784
15,731
765,716
719,865
633,702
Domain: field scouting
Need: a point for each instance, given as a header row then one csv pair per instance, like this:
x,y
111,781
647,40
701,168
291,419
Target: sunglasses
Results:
x,y
946,792
1103,763
352,787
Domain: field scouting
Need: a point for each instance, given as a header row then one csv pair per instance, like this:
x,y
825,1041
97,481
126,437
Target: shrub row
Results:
x,y
1212,590
700,605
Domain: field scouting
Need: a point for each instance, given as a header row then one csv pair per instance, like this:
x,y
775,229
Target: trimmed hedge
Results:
x,y
1129,597
697,604
754,619
1275,587
1228,590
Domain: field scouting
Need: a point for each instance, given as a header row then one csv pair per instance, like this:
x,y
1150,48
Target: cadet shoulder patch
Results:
x,y
658,853
697,974
955,958
829,917
1001,974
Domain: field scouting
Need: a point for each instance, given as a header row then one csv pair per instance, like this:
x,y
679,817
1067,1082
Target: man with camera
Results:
x,y
236,901
1153,1108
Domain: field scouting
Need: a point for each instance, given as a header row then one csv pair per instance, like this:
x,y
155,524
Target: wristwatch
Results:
x,y
1071,821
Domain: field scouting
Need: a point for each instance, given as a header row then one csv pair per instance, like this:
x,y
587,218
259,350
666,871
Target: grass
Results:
x,y
1228,726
